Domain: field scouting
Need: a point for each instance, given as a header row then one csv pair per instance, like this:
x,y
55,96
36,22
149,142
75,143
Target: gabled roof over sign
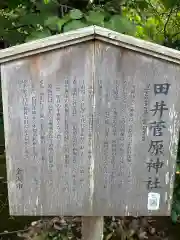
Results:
x,y
85,34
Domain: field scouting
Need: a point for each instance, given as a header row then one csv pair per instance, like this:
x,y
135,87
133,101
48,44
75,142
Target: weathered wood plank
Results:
x,y
124,86
89,33
47,122
136,44
84,131
47,44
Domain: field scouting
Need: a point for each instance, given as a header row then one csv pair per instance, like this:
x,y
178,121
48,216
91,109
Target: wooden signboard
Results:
x,y
91,124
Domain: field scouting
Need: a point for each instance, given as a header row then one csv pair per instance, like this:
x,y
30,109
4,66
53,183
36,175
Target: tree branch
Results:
x,y
175,35
153,8
165,26
169,16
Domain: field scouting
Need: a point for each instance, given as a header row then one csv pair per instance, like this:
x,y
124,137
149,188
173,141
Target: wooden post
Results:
x,y
92,228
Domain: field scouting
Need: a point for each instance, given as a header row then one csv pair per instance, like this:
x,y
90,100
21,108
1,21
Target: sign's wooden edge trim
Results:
x,y
47,44
85,34
129,42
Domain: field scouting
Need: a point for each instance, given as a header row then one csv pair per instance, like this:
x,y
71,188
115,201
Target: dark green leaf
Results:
x,y
51,22
31,19
95,17
176,207
74,24
174,216
142,4
38,35
75,14
55,23
50,9
120,24
5,23
178,168
14,37
60,24
14,3
170,3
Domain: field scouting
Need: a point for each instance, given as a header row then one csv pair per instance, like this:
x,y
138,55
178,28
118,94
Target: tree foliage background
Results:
x,y
152,20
